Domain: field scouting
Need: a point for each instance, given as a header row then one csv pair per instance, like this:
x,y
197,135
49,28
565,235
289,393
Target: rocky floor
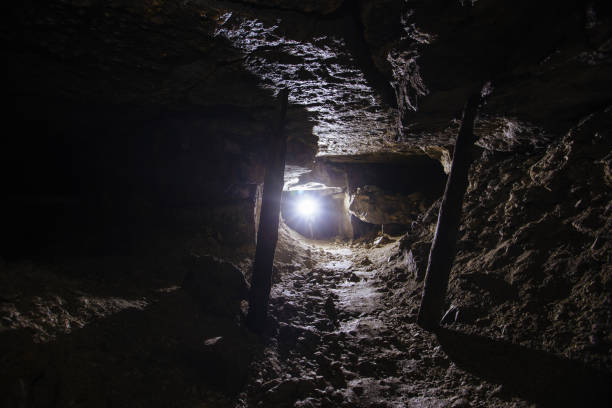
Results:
x,y
338,341
342,334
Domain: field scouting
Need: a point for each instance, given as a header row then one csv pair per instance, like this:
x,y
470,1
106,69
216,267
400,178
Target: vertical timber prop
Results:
x,y
267,233
444,244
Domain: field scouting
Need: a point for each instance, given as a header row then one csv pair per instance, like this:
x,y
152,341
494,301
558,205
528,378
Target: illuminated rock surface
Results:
x,y
373,205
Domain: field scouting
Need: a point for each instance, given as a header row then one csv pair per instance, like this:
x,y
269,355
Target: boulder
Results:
x,y
416,259
218,286
376,206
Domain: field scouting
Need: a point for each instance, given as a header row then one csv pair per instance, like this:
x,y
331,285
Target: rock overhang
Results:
x,y
336,58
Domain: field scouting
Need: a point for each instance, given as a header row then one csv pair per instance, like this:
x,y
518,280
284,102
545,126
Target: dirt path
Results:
x,y
339,341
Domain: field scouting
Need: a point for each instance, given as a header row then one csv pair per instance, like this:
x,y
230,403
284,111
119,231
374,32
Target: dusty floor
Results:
x,y
342,342
339,337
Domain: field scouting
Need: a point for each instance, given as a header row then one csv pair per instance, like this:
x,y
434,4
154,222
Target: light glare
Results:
x,y
307,207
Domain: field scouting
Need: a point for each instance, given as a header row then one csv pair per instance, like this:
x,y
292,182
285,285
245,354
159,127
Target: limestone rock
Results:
x,y
375,206
416,259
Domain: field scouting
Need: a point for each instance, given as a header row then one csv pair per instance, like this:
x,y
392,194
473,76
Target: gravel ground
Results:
x,y
338,340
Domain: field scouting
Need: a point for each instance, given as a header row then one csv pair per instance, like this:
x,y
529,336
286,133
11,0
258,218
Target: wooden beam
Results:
x,y
267,234
443,248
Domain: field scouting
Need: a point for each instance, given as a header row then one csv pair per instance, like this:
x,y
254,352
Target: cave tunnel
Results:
x,y
137,136
387,193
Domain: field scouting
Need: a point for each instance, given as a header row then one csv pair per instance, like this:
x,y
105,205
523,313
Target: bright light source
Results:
x,y
307,207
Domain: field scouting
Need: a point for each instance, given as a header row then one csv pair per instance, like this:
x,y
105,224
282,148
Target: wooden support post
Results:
x,y
444,244
267,234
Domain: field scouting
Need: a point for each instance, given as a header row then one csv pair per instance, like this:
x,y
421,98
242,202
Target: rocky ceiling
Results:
x,y
366,77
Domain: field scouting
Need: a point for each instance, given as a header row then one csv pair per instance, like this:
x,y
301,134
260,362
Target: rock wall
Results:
x,y
546,61
533,261
373,205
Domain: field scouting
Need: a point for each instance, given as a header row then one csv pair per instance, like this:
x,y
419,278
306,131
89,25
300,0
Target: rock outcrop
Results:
x,y
532,265
375,206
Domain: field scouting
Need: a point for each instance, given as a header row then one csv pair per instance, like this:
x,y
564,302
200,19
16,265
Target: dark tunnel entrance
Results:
x,y
316,211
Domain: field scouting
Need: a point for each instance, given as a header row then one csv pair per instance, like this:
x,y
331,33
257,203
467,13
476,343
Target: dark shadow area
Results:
x,y
537,376
394,173
173,353
363,47
86,179
362,228
130,150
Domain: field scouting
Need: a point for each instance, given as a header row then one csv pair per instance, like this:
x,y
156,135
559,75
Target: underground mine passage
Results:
x,y
388,195
316,211
301,203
